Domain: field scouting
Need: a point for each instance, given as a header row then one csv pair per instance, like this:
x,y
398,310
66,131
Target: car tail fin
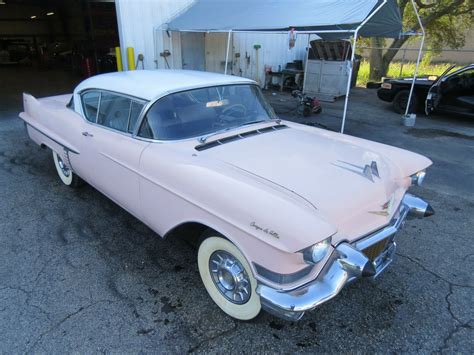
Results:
x,y
30,105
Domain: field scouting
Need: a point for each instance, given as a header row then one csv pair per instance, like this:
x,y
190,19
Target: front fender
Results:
x,y
268,224
258,207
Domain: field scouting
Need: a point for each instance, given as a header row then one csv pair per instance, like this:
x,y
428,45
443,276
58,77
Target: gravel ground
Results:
x,y
79,274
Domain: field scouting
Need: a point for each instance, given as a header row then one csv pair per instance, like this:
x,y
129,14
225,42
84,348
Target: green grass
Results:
x,y
408,70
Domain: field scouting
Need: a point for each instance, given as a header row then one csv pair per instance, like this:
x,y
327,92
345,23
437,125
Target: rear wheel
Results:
x,y
400,102
65,173
228,279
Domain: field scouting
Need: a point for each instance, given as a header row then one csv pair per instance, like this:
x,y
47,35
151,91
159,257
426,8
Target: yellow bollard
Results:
x,y
118,56
131,58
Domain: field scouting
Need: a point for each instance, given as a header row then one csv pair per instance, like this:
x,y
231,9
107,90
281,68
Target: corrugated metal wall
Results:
x,y
136,22
139,20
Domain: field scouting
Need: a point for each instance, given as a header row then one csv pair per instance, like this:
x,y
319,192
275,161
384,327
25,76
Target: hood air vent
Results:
x,y
239,137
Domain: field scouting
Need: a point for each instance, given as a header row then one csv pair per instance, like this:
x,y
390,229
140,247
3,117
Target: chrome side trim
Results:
x,y
68,149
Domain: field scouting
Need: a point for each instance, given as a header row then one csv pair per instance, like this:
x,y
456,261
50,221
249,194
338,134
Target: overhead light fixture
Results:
x,y
32,17
50,14
2,2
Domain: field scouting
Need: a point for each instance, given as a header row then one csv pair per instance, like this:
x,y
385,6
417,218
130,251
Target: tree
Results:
x,y
445,22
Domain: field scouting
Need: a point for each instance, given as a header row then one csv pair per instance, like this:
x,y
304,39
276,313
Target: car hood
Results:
x,y
327,170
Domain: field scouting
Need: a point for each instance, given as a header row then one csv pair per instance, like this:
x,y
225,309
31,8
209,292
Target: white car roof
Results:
x,y
149,84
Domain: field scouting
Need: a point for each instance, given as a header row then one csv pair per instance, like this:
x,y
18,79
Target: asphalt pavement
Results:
x,y
79,274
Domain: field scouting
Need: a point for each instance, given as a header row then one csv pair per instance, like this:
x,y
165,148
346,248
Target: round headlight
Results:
x,y
418,178
315,253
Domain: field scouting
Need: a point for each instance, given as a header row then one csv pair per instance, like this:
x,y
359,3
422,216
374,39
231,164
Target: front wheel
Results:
x,y
228,278
65,173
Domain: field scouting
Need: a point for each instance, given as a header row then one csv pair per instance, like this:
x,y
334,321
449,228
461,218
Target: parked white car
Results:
x,y
287,214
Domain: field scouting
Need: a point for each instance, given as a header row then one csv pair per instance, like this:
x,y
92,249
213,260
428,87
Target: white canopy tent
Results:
x,y
329,19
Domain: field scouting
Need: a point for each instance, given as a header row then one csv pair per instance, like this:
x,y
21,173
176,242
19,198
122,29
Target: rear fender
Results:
x,y
39,120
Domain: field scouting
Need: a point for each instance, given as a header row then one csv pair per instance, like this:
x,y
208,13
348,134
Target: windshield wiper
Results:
x,y
204,138
251,122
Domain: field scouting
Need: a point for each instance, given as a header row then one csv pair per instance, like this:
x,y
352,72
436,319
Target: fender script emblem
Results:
x,y
265,230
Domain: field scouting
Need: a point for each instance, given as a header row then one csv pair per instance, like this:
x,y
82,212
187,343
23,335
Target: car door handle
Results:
x,y
87,134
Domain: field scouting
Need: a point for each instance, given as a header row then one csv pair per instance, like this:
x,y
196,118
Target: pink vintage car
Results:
x,y
286,214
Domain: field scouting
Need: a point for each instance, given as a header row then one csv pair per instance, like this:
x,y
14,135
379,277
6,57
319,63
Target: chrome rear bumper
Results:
x,y
346,264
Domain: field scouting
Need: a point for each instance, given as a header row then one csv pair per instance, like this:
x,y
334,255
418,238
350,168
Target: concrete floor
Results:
x,y
79,274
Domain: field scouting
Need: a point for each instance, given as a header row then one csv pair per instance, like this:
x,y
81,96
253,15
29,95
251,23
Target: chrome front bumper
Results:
x,y
346,264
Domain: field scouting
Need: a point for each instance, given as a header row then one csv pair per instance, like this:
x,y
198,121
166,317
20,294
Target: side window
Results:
x,y
461,84
114,111
467,73
467,82
90,104
135,110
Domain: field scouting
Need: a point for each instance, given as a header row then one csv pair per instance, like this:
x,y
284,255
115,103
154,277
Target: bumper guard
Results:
x,y
346,264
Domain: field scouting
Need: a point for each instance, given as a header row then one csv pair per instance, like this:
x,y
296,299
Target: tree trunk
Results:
x,y
376,59
380,62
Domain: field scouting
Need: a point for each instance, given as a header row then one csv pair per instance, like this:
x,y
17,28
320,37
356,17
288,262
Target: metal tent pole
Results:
x,y
420,52
349,80
227,52
172,50
348,88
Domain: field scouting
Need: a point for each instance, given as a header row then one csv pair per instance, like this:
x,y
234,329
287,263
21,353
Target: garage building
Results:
x,y
80,36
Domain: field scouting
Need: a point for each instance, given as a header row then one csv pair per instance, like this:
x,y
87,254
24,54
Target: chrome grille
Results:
x,y
375,249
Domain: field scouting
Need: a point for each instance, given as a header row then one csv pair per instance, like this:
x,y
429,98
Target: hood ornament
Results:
x,y
371,170
374,168
368,171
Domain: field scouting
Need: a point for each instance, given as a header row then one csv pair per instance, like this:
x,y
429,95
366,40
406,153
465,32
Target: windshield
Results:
x,y
199,112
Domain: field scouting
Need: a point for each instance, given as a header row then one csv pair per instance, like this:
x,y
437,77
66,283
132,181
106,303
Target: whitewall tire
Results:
x,y
228,278
65,173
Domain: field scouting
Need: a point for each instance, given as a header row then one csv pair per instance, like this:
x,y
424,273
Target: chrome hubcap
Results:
x,y
66,171
230,277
